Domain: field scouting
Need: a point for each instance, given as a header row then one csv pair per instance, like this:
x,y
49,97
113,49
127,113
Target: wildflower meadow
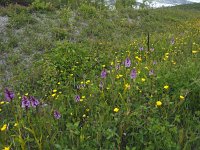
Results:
x,y
88,77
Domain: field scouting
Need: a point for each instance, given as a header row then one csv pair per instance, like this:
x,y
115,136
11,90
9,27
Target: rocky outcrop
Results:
x,y
3,23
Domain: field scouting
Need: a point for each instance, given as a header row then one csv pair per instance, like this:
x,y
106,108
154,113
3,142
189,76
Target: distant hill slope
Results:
x,y
195,6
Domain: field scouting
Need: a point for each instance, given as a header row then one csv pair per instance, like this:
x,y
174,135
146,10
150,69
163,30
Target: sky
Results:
x,y
160,3
197,1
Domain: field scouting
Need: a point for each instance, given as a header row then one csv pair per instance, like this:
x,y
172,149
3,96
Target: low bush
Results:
x,y
20,2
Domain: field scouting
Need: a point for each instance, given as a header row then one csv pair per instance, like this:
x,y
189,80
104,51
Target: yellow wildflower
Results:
x,y
174,62
87,109
84,115
53,95
2,102
83,97
103,66
143,79
58,83
165,58
194,52
127,86
16,124
6,148
71,74
0,109
119,76
138,58
87,82
116,109
158,103
111,63
26,94
54,91
57,96
166,87
182,97
82,82
4,127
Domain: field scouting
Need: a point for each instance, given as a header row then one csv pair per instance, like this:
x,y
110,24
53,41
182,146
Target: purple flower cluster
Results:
x,y
9,95
25,102
127,62
28,102
56,114
34,101
133,74
103,73
31,101
77,98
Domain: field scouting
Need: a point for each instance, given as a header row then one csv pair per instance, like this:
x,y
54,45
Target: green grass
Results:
x,y
59,54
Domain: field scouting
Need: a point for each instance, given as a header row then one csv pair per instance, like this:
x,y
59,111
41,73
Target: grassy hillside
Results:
x,y
87,78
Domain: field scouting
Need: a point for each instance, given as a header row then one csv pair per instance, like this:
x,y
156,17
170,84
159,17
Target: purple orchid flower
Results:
x,y
9,95
127,62
133,74
77,98
56,114
34,101
103,73
25,102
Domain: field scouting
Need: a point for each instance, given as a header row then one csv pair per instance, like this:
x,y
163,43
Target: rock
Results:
x,y
3,23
